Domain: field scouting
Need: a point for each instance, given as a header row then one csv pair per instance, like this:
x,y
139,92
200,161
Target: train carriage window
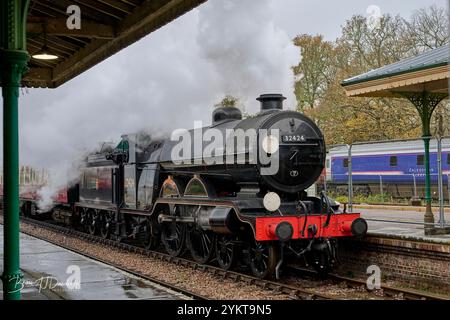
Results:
x,y
328,163
448,159
420,160
346,163
393,161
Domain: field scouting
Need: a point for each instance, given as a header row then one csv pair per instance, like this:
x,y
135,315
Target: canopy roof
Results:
x,y
107,26
428,71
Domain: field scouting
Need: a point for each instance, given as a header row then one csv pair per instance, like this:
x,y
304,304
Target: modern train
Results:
x,y
399,166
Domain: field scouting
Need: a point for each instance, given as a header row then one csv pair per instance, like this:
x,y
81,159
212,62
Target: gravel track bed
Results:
x,y
335,290
196,281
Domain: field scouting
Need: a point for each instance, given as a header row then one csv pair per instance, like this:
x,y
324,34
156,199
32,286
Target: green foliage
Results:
x,y
231,101
367,199
316,75
228,101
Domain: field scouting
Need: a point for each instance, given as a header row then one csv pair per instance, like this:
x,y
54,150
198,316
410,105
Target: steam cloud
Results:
x,y
166,81
249,53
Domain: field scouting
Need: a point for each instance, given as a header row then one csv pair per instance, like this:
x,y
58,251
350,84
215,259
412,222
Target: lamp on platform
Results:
x,y
44,53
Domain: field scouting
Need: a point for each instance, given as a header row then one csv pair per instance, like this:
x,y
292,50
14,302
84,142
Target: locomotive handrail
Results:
x,y
329,209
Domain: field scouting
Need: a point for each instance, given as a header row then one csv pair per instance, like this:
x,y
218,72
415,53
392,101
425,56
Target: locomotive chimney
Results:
x,y
271,101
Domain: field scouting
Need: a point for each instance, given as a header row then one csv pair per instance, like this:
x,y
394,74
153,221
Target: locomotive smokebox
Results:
x,y
271,101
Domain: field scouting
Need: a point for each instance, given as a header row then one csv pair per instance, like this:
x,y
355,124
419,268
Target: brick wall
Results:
x,y
415,262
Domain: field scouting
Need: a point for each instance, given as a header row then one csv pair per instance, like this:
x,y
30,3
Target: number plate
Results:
x,y
292,138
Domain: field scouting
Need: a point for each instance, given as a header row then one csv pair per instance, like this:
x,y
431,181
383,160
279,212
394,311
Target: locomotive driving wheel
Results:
x,y
263,259
225,252
91,222
152,236
173,234
105,225
201,244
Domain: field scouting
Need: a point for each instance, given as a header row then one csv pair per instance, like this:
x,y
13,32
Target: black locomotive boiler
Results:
x,y
227,210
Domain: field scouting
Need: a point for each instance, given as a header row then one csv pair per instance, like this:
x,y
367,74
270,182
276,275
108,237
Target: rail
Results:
x,y
294,292
407,294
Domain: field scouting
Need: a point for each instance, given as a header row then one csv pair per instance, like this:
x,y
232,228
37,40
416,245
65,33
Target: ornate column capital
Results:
x,y
13,64
425,103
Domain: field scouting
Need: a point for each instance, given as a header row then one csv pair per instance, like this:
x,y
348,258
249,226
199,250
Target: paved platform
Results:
x,y
47,267
401,227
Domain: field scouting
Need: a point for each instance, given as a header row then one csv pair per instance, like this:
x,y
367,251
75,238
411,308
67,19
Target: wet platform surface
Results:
x,y
400,227
51,272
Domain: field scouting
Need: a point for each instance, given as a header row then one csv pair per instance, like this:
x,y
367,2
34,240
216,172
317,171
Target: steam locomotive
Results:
x,y
225,206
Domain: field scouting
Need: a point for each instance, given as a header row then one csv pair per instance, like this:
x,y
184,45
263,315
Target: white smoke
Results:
x,y
165,81
59,179
250,54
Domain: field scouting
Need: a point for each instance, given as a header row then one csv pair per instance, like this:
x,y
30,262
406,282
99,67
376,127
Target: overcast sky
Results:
x,y
326,17
175,75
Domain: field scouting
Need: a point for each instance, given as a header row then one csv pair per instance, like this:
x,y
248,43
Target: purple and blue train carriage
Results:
x,y
396,168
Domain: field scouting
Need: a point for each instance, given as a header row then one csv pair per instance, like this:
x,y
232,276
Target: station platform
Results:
x,y
47,269
381,222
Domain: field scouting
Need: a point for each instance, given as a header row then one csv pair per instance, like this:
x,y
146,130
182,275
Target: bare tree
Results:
x,y
428,28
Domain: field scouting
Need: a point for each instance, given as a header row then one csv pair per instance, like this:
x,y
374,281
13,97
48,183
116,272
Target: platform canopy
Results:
x,y
424,81
107,26
426,72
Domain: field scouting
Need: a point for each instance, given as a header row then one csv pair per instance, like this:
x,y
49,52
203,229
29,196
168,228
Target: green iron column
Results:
x,y
426,103
13,62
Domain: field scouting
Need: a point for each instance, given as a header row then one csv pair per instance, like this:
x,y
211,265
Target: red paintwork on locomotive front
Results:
x,y
339,226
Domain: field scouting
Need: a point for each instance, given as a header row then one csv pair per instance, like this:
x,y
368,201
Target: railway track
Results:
x,y
387,291
165,284
294,292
